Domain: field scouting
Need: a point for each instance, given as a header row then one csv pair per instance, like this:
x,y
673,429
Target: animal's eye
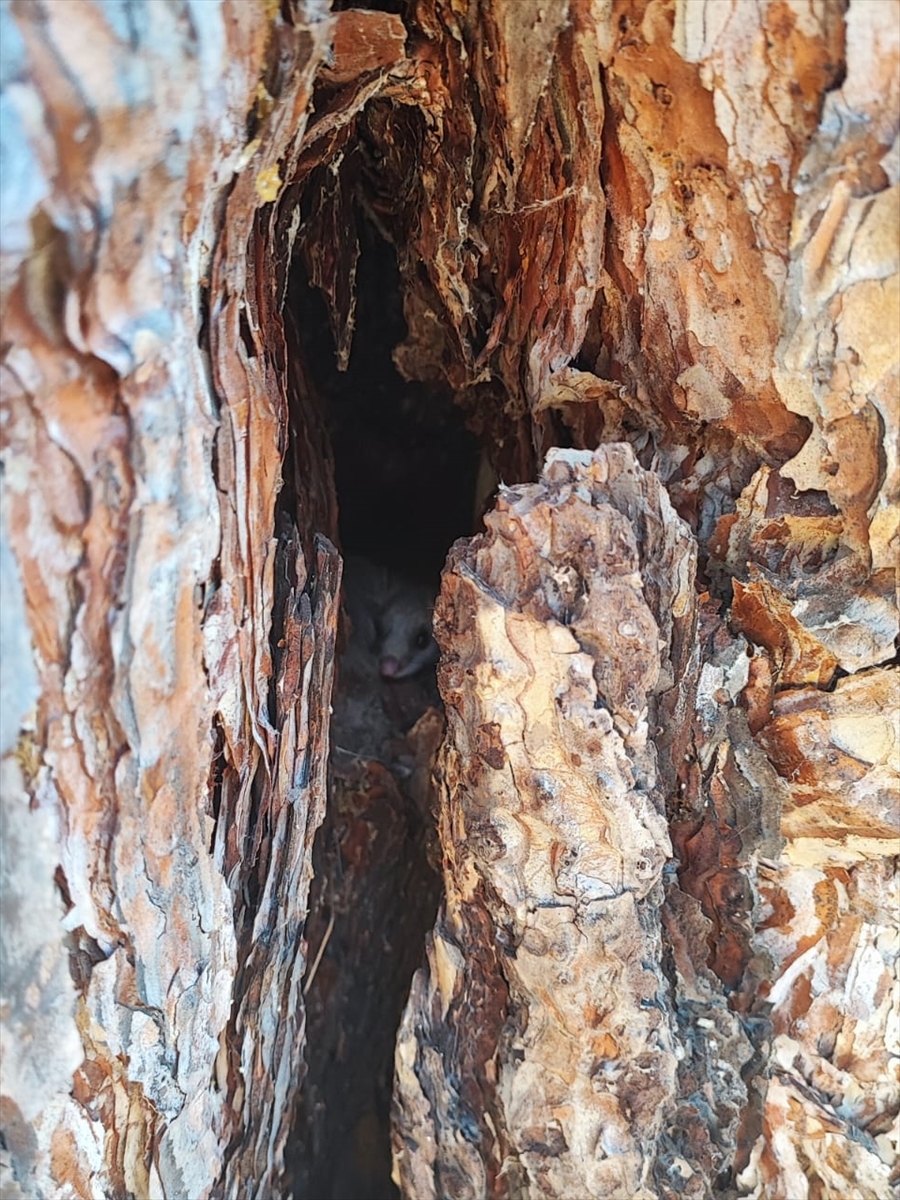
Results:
x,y
422,639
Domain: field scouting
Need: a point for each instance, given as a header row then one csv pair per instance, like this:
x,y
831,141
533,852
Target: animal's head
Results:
x,y
406,645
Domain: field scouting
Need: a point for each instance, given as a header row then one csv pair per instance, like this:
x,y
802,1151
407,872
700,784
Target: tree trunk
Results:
x,y
257,263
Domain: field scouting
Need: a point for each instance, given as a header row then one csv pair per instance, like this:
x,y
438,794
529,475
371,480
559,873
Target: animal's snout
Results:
x,y
389,666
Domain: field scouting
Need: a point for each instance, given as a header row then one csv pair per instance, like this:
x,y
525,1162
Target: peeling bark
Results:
x,y
559,626
652,222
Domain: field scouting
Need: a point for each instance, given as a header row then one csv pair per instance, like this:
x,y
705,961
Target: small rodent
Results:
x,y
390,618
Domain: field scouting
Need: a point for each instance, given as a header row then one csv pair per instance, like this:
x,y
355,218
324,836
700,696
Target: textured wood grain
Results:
x,y
657,222
541,1030
128,123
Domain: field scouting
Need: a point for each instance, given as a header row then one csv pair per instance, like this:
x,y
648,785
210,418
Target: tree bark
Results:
x,y
542,1027
651,247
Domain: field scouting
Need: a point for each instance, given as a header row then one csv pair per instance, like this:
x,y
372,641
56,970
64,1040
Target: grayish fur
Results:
x,y
390,618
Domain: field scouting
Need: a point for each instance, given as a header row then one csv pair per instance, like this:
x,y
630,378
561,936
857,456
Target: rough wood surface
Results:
x,y
123,127
373,900
660,222
752,224
541,1030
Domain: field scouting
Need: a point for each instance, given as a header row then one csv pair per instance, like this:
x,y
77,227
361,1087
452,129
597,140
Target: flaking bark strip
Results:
x,y
559,628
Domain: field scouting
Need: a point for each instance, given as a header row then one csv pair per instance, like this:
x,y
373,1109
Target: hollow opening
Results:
x,y
404,469
405,465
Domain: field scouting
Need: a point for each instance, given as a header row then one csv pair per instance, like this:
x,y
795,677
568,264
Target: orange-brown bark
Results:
x,y
663,224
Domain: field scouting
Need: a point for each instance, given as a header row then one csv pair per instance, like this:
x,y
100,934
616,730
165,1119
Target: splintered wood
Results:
x,y
668,960
537,1045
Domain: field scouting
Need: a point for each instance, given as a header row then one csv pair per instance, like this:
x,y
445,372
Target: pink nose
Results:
x,y
389,666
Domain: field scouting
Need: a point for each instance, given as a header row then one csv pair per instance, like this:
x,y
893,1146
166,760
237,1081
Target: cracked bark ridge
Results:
x,y
135,400
538,1053
111,514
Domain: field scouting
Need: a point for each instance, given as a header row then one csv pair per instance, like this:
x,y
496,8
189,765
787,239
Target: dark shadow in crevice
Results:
x,y
405,465
405,472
